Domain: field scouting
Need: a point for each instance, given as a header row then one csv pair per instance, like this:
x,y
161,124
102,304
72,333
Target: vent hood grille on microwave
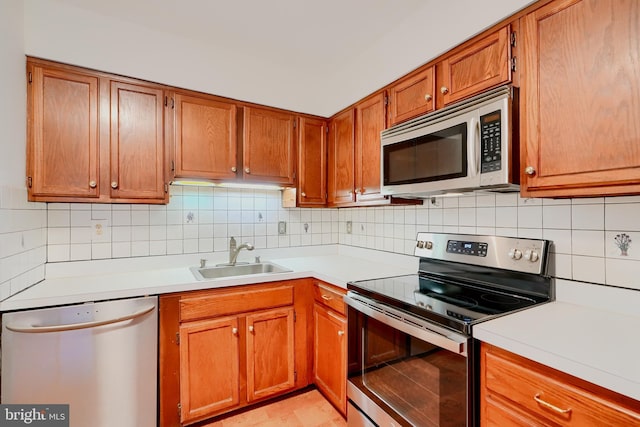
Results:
x,y
412,168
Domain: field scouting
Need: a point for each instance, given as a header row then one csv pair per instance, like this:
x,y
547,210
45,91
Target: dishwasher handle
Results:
x,y
75,326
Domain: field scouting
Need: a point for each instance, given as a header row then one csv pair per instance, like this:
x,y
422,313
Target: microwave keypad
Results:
x,y
490,142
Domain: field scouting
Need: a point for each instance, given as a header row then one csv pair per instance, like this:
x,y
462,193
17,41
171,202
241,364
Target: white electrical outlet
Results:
x,y
282,227
99,230
349,227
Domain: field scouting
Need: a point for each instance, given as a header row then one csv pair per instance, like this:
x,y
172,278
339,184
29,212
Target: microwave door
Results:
x,y
440,157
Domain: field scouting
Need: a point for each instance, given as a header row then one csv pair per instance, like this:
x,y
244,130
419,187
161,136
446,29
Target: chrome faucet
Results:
x,y
234,251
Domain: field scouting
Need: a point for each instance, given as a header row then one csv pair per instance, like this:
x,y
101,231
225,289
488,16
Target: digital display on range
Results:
x,y
467,248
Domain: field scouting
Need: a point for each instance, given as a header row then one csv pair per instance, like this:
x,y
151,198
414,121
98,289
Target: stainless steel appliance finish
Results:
x,y
100,358
468,146
412,357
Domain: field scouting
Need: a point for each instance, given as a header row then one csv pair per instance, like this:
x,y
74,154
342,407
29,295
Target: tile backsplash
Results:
x,y
23,241
200,220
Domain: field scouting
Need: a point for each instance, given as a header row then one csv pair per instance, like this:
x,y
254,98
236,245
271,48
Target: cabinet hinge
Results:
x,y
177,338
295,317
173,166
166,101
295,376
166,187
513,64
173,103
513,39
386,100
29,181
179,409
30,77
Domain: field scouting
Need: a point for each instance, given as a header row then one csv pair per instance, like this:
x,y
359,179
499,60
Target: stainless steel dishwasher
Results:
x,y
100,358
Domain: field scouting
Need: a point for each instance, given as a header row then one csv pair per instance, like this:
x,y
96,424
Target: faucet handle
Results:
x,y
203,262
257,260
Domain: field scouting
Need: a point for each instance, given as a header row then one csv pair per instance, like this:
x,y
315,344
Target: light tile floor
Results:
x,y
308,409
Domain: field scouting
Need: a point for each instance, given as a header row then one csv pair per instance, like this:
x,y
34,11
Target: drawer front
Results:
x,y
232,302
549,397
329,296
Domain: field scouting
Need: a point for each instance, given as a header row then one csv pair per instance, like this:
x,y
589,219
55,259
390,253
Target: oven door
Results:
x,y
405,371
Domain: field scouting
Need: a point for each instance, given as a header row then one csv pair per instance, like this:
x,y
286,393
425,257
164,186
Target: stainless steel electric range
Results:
x,y
412,359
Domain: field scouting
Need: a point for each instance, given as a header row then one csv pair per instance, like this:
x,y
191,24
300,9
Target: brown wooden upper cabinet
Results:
x,y
341,174
476,67
312,162
205,137
412,96
93,137
580,135
370,121
268,146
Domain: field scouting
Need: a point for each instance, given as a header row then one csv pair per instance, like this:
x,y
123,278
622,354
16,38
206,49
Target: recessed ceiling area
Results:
x,y
310,56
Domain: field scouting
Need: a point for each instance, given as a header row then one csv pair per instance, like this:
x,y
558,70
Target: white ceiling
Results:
x,y
317,56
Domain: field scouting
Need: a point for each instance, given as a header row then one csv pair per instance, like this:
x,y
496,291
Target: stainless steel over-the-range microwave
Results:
x,y
468,146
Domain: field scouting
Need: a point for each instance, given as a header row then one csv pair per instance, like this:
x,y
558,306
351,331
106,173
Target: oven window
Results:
x,y
415,382
433,157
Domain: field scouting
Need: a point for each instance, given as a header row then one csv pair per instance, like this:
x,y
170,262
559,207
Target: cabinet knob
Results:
x,y
444,90
530,170
428,97
114,184
247,170
303,194
251,328
234,169
234,331
357,191
92,184
340,333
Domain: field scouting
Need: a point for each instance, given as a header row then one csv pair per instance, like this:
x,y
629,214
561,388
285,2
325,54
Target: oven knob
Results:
x,y
428,245
515,253
531,255
420,244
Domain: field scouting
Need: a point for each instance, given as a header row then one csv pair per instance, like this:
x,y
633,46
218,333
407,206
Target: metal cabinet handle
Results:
x,y
247,170
114,184
234,169
340,333
251,328
530,170
93,184
428,97
303,194
550,406
444,90
326,297
234,331
76,326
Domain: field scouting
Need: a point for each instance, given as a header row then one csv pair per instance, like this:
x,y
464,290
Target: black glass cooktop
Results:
x,y
453,304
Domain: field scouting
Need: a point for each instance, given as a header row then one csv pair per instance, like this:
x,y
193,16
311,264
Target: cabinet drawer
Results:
x,y
237,301
553,396
329,296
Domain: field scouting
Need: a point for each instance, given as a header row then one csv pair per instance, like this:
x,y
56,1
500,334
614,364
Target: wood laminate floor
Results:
x,y
309,409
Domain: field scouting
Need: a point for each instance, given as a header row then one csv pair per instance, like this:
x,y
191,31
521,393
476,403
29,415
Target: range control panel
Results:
x,y
511,253
467,248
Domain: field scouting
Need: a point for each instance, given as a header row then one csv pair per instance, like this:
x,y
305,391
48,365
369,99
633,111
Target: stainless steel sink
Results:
x,y
219,271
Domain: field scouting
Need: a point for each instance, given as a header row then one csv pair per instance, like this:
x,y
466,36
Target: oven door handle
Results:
x,y
415,327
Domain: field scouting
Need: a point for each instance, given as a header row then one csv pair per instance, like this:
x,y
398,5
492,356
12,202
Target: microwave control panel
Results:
x,y
490,138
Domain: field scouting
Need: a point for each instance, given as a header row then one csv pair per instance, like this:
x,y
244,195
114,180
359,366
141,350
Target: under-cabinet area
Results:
x,y
228,348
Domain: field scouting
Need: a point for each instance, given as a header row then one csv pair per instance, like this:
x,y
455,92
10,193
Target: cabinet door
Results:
x,y
205,138
370,121
268,146
209,367
330,355
63,134
581,134
270,353
341,174
312,162
137,142
412,96
477,67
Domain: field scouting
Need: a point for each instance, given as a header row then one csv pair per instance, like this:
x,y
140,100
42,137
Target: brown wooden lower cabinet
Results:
x,y
224,349
516,391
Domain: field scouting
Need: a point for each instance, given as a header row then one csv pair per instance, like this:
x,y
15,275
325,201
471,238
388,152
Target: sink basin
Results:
x,y
219,271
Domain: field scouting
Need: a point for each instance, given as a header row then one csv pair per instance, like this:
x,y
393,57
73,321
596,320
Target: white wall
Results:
x,y
22,224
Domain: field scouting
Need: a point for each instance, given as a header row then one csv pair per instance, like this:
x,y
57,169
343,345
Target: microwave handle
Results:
x,y
474,147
